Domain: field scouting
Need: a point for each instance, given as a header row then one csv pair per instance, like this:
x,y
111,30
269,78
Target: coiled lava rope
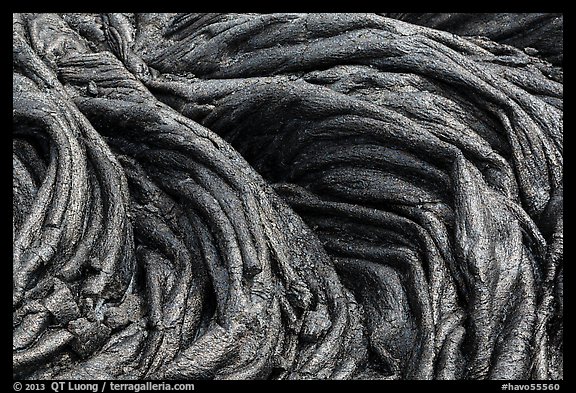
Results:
x,y
283,196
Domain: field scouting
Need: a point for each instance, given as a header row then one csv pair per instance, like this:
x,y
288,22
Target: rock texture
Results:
x,y
287,196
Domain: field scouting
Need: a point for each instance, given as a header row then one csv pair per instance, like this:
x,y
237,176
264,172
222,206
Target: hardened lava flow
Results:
x,y
287,196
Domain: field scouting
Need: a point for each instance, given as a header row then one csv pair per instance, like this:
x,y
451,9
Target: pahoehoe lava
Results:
x,y
287,196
